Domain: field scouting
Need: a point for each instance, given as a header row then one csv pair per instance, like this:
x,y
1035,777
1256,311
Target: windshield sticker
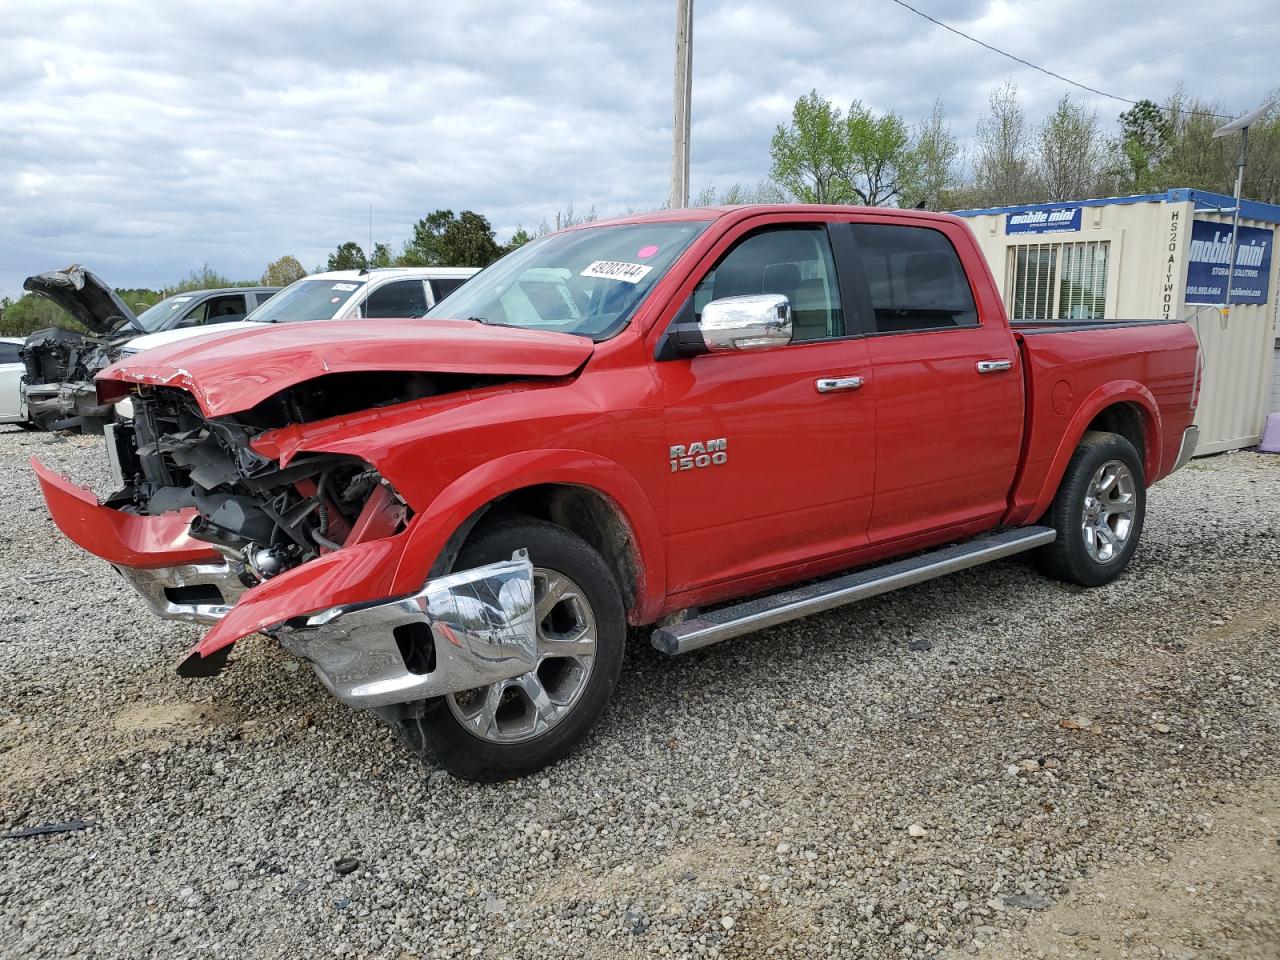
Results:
x,y
616,270
335,299
345,286
644,253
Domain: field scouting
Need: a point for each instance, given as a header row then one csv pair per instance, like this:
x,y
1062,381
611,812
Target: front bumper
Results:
x,y
194,592
58,406
461,631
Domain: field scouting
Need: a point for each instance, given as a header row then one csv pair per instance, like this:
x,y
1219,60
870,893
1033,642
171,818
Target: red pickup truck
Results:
x,y
666,420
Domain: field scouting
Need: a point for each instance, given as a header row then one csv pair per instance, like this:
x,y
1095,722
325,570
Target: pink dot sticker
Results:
x,y
645,252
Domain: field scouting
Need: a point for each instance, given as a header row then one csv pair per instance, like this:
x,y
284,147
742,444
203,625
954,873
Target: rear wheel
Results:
x,y
1098,512
514,727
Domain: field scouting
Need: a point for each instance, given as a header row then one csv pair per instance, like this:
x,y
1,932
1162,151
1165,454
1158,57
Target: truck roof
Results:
x,y
745,211
429,273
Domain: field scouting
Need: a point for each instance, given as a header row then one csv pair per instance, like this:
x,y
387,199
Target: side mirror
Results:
x,y
755,322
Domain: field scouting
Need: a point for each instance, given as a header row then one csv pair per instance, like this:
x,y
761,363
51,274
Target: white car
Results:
x,y
13,407
336,295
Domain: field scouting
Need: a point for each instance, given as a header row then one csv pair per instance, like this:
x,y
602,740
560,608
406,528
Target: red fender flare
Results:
x,y
1026,509
449,509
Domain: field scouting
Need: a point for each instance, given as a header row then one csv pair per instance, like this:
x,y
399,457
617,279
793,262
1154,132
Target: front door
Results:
x,y
766,470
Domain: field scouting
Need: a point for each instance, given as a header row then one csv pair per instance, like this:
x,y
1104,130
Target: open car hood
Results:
x,y
83,295
233,372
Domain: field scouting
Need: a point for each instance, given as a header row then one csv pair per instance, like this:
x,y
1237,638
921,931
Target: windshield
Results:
x,y
586,281
307,300
165,313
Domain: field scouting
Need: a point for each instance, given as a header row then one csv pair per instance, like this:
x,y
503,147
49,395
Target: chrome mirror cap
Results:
x,y
754,322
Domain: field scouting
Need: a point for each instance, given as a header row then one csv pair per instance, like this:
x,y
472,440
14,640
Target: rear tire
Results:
x,y
541,716
1098,512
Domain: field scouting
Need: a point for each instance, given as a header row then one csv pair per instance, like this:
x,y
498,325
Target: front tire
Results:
x,y
1098,512
516,727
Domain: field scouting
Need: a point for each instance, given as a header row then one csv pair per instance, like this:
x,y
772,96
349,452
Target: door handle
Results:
x,y
835,384
994,366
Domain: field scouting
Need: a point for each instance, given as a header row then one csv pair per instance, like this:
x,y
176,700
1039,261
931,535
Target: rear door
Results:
x,y
949,391
765,470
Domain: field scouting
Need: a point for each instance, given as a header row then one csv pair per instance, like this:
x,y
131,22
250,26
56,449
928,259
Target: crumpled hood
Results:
x,y
234,372
83,295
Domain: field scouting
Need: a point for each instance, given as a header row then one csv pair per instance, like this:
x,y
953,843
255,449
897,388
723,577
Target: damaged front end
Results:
x,y
58,380
208,530
261,518
61,364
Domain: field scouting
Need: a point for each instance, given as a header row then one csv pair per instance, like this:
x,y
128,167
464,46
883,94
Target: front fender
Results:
x,y
447,511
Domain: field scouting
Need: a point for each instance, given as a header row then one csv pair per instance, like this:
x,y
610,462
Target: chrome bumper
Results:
x,y
194,592
1190,438
461,631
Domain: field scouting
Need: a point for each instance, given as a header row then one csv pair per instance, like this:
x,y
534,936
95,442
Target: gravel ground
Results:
x,y
992,764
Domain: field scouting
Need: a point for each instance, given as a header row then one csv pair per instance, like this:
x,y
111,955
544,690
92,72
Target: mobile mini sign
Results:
x,y
1044,220
1209,259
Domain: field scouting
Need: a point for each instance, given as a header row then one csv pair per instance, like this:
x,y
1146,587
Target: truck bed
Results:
x,y
1076,367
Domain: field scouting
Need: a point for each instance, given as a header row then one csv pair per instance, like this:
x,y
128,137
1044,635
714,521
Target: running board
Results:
x,y
726,623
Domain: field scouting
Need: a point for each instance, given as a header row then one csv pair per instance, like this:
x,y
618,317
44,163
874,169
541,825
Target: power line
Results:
x,y
1033,66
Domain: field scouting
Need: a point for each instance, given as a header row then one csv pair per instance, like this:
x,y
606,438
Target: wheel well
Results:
x,y
1126,420
591,515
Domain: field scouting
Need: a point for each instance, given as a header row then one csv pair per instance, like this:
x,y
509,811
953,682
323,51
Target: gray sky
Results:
x,y
146,139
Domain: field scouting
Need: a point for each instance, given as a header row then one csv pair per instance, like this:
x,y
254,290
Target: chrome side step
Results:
x,y
729,622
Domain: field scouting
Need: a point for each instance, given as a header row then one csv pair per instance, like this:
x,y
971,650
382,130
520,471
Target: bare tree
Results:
x,y
763,192
1002,167
1072,153
932,171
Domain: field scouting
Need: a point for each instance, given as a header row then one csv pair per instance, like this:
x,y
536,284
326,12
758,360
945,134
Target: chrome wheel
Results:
x,y
528,706
1110,505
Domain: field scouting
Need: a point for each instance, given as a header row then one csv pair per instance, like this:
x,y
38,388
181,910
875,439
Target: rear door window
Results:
x,y
915,278
442,287
400,298
9,352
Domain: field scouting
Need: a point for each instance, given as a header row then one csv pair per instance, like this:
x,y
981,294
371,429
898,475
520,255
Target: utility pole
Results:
x,y
683,104
1242,124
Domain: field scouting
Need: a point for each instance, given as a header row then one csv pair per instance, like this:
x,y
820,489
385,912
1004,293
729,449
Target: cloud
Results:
x,y
146,140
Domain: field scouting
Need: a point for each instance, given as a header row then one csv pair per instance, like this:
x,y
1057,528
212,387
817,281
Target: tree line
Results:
x,y
439,239
443,239
28,313
829,154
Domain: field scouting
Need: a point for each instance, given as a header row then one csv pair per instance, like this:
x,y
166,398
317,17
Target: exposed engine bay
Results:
x,y
61,364
263,518
60,367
